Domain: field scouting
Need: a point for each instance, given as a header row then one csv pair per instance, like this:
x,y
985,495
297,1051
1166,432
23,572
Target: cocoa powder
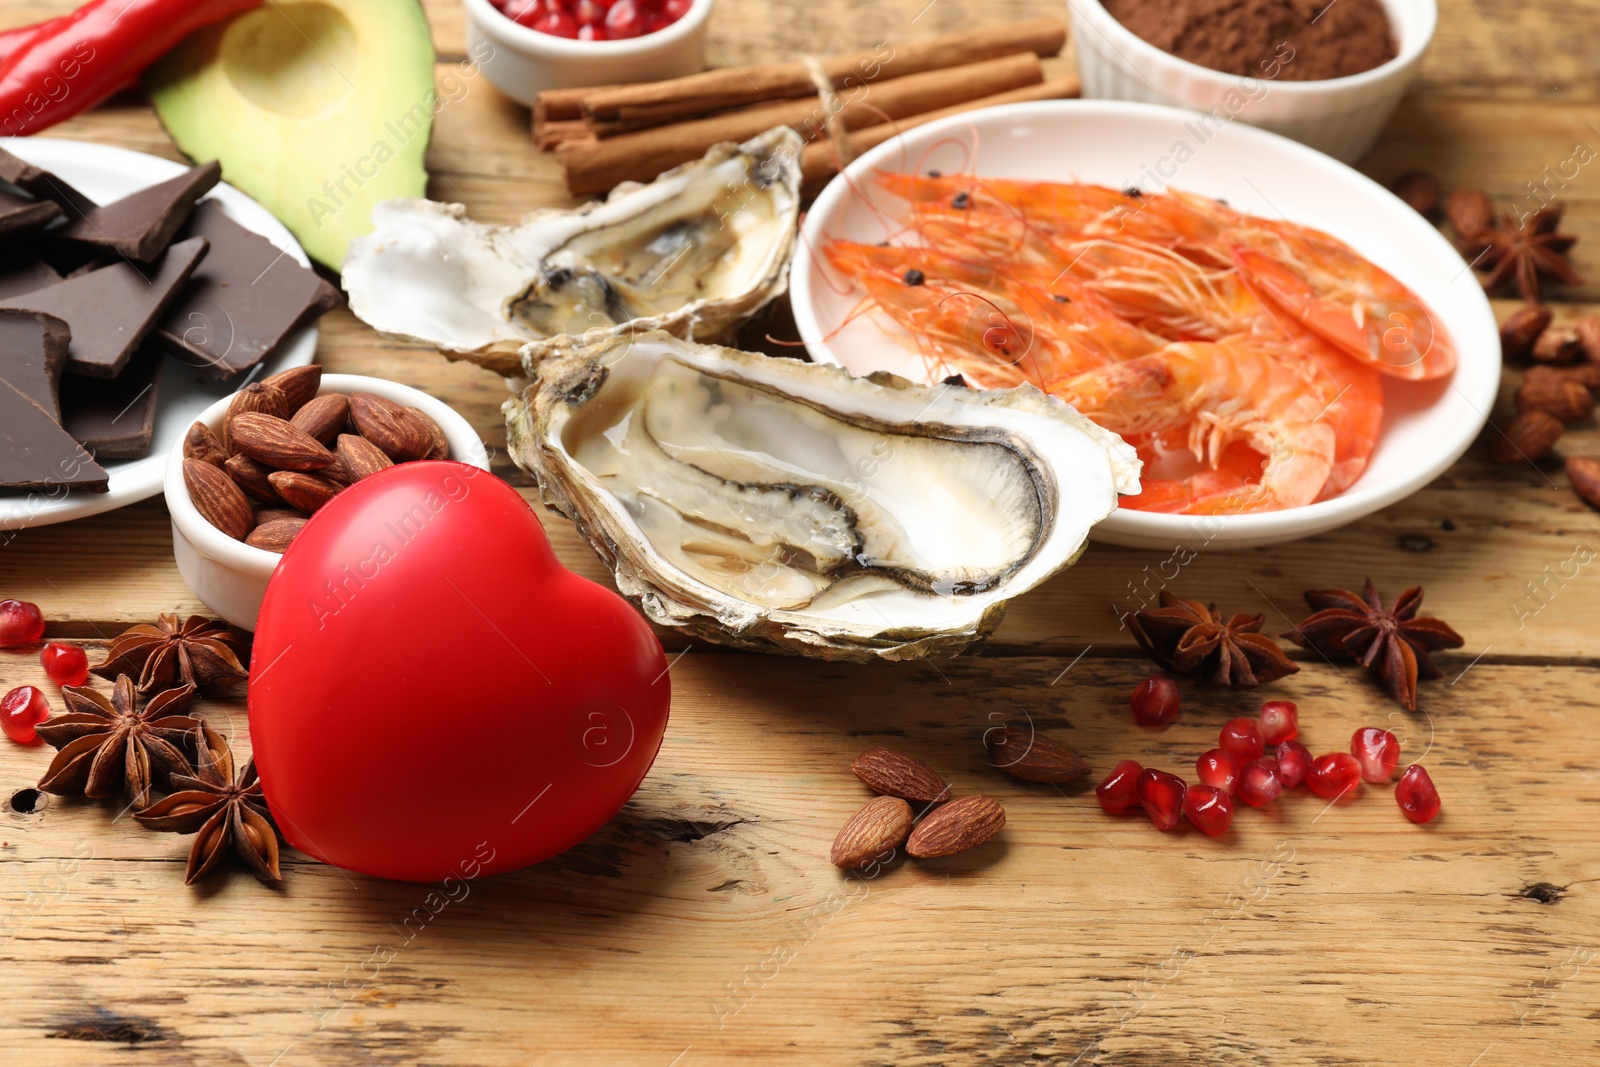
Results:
x,y
1257,38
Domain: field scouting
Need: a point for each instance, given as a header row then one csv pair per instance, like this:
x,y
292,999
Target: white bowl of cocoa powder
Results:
x,y
1328,75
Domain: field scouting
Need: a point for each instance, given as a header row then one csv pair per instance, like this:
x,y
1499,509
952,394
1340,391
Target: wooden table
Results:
x,y
704,924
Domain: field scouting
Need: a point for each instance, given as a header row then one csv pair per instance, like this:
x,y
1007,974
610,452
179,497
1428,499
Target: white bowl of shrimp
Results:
x,y
1289,346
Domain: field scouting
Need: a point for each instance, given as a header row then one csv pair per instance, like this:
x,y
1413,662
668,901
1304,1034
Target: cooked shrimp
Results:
x,y
1236,474
961,310
1228,391
1174,219
1353,303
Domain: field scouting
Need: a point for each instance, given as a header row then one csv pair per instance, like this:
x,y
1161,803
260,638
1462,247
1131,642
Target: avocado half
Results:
x,y
317,108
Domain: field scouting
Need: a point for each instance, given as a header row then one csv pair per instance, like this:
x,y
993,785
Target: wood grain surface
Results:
x,y
704,924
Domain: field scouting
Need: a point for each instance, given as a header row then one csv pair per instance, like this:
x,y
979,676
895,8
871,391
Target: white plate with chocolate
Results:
x,y
134,292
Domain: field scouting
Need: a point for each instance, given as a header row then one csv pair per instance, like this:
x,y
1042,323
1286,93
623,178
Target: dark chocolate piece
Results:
x,y
18,213
43,185
33,349
66,258
243,300
114,417
111,309
141,225
38,454
22,271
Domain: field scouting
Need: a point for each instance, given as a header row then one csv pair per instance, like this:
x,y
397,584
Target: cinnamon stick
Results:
x,y
553,133
594,166
819,163
558,105
715,90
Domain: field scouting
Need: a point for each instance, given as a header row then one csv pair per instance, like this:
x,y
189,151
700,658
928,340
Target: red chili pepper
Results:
x,y
19,37
76,61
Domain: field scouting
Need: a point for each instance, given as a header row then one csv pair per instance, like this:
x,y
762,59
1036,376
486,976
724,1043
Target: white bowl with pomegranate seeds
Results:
x,y
523,62
1426,425
229,576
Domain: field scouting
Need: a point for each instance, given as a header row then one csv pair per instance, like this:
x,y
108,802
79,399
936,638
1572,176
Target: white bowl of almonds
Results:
x,y
256,464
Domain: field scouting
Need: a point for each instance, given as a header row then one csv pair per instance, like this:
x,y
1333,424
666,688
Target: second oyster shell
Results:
x,y
777,505
695,253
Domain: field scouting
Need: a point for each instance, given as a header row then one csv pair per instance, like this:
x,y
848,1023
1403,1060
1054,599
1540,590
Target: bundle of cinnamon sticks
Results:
x,y
604,135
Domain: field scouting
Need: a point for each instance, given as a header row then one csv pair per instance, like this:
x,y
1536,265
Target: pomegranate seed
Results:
x,y
1161,795
556,24
1120,790
1209,808
1294,760
588,13
1218,770
1259,782
21,623
1155,702
525,12
1415,794
1378,752
592,33
1280,722
673,10
65,664
624,20
1334,774
1241,739
20,711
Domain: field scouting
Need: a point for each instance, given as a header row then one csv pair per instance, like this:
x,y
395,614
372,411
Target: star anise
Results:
x,y
168,653
1393,644
222,812
107,742
1522,254
1188,637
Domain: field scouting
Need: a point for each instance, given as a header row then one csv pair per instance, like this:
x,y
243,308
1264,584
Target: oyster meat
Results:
x,y
778,505
695,253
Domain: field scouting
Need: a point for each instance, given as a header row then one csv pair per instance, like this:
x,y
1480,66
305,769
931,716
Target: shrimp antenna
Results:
x,y
861,308
985,339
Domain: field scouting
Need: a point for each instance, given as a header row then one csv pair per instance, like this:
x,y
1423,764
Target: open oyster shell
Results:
x,y
695,253
776,505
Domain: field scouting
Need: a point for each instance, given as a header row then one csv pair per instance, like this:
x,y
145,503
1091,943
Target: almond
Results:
x,y
1033,757
269,514
1584,473
1565,399
278,444
217,499
308,492
872,834
441,445
1521,329
275,536
298,385
1529,436
894,774
201,444
1419,189
1470,211
1585,374
1557,344
395,429
257,396
251,475
964,823
1588,330
323,417
360,458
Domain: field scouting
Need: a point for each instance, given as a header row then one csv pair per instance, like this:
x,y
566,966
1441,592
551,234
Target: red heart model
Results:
x,y
434,695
